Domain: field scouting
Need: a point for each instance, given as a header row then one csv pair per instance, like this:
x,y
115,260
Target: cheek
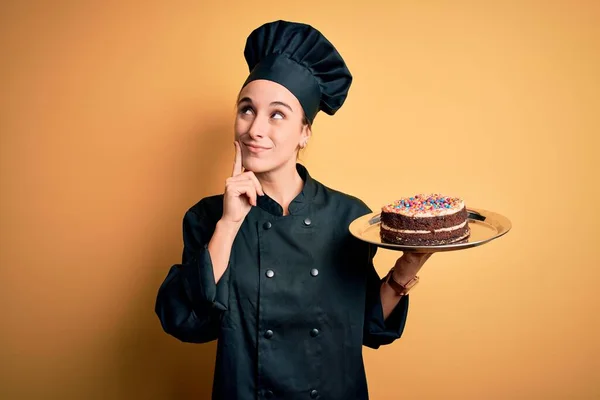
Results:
x,y
239,126
288,142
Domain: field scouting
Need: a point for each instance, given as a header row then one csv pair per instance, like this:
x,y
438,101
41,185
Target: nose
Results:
x,y
258,128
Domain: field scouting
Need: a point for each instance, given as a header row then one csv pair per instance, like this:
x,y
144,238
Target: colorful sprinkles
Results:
x,y
424,203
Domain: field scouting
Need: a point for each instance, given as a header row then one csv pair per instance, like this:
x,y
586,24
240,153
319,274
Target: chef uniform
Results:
x,y
300,295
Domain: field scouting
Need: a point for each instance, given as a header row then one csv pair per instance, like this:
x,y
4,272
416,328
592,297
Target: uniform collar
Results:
x,y
304,198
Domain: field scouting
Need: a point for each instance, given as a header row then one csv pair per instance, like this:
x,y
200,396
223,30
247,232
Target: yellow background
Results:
x,y
115,117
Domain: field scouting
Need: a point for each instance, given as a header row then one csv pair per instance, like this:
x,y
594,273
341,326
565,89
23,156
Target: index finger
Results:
x,y
237,163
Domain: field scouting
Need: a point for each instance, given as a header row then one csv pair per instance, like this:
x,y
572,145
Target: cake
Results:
x,y
425,220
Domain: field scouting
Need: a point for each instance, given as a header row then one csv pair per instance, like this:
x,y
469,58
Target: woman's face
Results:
x,y
269,126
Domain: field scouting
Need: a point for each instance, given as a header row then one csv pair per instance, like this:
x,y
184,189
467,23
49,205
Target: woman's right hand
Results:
x,y
241,190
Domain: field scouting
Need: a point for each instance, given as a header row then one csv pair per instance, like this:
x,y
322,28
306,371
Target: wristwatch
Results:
x,y
401,290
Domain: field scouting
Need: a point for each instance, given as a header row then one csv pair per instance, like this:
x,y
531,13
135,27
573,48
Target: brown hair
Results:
x,y
305,120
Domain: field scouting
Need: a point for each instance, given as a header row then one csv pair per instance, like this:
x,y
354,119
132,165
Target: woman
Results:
x,y
269,267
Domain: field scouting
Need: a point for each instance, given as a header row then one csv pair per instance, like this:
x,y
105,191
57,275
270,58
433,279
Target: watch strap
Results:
x,y
400,289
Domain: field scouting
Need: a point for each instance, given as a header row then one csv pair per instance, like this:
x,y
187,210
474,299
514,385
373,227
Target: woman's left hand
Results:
x,y
409,265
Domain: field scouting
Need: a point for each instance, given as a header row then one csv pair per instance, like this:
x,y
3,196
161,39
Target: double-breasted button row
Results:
x,y
270,273
313,394
269,333
268,225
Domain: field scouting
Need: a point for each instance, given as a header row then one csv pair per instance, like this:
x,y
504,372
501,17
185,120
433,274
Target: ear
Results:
x,y
306,134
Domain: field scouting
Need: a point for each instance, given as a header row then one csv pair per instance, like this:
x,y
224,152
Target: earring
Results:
x,y
303,144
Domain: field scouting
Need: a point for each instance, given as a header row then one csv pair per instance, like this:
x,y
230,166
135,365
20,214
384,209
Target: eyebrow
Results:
x,y
274,103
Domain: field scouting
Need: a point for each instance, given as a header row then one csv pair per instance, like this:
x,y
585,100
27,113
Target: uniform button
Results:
x,y
314,332
270,273
314,272
269,335
268,394
314,394
307,221
267,225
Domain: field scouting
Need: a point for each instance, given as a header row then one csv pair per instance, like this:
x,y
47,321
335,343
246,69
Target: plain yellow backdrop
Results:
x,y
115,117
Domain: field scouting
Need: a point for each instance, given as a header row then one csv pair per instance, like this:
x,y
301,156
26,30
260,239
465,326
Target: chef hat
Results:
x,y
300,58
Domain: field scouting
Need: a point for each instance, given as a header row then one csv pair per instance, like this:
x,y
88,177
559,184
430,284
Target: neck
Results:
x,y
282,184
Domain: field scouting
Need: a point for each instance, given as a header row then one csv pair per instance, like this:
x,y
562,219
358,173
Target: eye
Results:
x,y
246,110
278,115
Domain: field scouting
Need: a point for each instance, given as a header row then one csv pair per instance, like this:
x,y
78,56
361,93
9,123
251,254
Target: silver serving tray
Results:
x,y
485,226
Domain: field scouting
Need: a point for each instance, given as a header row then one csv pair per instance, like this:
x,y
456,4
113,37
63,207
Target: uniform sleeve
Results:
x,y
189,304
378,331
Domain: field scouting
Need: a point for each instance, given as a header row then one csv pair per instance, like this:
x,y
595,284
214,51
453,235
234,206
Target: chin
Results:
x,y
259,166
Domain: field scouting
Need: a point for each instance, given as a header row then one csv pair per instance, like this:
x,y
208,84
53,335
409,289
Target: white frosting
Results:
x,y
434,212
448,229
447,206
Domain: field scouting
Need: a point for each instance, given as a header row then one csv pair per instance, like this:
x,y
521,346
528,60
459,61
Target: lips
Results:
x,y
255,148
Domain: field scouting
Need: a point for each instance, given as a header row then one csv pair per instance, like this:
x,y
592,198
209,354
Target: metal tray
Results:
x,y
485,226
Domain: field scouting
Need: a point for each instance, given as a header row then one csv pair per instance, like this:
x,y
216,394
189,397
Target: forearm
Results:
x,y
180,315
220,245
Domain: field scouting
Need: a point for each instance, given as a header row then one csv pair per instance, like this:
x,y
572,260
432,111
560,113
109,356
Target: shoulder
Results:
x,y
347,203
210,207
346,207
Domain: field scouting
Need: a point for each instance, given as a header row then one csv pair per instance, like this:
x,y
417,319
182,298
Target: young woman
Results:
x,y
269,267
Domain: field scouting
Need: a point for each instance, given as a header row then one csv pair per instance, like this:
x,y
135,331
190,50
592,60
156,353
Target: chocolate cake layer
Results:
x,y
425,239
403,222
